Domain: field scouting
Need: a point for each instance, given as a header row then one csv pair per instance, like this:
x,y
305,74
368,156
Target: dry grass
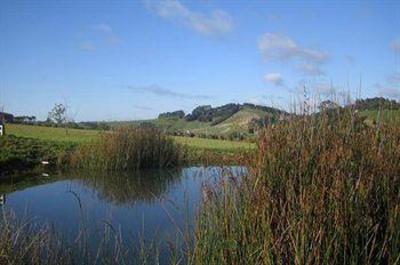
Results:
x,y
324,190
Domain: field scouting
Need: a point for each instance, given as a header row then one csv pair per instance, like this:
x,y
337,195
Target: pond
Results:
x,y
150,205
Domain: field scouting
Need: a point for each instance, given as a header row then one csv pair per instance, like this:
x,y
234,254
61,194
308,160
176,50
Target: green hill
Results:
x,y
227,121
233,121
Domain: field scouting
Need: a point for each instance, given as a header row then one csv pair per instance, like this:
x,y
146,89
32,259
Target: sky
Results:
x,y
132,59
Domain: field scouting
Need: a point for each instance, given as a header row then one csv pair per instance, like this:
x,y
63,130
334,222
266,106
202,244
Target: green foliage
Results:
x,y
24,153
376,104
179,114
58,114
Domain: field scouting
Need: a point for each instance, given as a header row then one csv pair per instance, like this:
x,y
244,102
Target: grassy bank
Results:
x,y
27,145
322,190
18,153
52,134
83,136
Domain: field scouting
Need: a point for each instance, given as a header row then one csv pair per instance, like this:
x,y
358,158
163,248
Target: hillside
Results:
x,y
227,121
234,121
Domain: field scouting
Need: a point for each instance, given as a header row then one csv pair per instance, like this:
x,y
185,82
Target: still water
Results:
x,y
150,205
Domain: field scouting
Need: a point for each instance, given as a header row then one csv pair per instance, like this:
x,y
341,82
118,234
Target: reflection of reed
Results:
x,y
22,181
130,187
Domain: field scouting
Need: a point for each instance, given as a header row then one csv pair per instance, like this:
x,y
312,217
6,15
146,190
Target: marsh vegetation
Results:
x,y
321,188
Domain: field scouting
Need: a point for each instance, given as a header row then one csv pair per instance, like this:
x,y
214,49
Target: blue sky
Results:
x,y
123,60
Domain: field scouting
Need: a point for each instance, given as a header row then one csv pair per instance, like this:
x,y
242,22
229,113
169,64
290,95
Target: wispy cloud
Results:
x,y
163,92
214,23
278,47
274,78
395,46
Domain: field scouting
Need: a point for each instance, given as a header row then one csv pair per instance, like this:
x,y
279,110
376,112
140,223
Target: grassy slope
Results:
x,y
82,136
236,123
212,144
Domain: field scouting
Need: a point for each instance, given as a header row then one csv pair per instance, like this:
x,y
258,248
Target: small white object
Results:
x,y
45,162
2,199
45,174
1,129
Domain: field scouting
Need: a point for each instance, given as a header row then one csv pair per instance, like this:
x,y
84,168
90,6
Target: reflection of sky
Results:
x,y
57,203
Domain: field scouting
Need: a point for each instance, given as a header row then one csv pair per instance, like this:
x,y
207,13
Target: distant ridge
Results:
x,y
216,115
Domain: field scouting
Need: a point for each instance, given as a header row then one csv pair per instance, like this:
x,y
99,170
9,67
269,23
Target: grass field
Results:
x,y
212,144
52,134
84,136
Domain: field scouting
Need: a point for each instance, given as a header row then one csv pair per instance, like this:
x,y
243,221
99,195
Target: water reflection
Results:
x,y
152,203
128,187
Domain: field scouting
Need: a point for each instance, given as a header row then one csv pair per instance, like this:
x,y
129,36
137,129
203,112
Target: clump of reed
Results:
x,y
324,189
129,148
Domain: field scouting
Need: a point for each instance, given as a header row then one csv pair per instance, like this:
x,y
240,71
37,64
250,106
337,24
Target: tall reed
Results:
x,y
24,241
129,148
324,189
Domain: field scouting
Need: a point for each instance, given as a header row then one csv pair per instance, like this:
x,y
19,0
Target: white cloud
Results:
x,y
217,22
395,46
274,78
278,47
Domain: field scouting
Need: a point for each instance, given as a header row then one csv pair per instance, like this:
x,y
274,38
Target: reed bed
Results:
x,y
129,148
324,189
25,241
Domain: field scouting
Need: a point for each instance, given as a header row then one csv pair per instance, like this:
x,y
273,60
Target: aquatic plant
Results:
x,y
129,148
324,189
